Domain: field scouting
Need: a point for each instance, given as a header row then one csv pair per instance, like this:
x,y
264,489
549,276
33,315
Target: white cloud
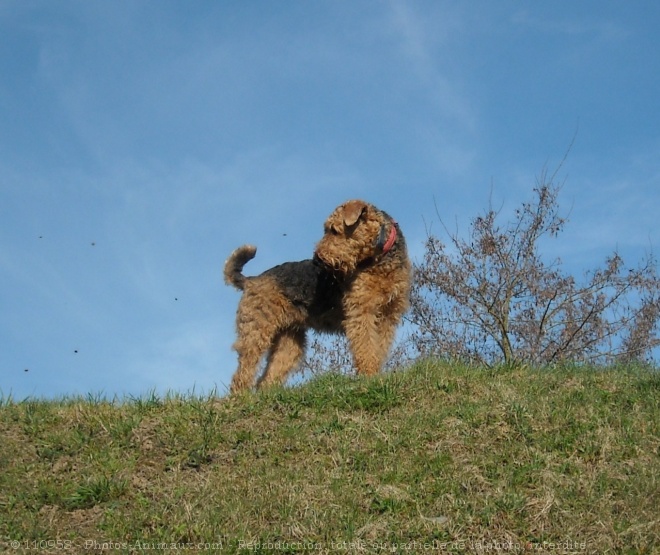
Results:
x,y
430,42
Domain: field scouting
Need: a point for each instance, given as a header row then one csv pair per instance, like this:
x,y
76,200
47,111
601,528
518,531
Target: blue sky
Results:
x,y
142,141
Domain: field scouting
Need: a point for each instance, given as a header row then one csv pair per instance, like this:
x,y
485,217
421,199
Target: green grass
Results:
x,y
457,459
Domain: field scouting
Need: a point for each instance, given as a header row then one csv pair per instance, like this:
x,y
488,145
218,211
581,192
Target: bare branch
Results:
x,y
495,298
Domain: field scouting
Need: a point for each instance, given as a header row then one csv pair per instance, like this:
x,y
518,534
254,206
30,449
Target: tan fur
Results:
x,y
352,286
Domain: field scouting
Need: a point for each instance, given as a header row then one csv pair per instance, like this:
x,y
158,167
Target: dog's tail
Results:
x,y
234,265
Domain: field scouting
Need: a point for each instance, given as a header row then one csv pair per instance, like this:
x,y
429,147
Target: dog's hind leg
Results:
x,y
285,354
255,337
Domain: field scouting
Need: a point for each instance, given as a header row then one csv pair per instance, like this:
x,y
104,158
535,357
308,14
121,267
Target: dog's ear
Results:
x,y
353,209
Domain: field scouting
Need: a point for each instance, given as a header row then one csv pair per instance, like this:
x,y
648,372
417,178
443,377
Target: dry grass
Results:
x,y
439,458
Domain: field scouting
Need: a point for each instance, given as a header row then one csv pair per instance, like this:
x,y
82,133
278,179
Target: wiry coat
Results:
x,y
358,283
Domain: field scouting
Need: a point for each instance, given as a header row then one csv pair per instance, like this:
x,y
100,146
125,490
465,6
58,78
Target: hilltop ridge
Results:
x,y
439,457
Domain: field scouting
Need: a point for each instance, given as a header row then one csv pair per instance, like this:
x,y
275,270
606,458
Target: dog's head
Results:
x,y
355,233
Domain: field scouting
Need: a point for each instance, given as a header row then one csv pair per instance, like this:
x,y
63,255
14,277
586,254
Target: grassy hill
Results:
x,y
438,458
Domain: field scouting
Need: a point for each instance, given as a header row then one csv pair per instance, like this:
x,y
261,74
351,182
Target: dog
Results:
x,y
357,283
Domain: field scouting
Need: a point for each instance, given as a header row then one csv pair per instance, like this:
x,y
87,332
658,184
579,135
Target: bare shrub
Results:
x,y
331,353
492,298
327,354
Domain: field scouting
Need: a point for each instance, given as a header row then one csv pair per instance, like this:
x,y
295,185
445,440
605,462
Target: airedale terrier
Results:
x,y
358,283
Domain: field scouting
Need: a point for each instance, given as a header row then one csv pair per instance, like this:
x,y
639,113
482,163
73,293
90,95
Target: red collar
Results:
x,y
390,239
